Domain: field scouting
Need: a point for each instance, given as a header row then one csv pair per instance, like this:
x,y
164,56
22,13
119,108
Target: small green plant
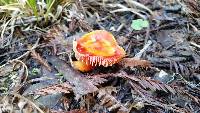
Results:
x,y
59,74
6,2
33,5
139,24
37,8
35,71
49,6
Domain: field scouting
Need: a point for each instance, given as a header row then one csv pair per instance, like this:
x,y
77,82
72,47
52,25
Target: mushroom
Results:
x,y
98,47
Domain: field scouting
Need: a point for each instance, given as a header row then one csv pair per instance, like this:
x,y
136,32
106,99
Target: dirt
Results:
x,y
160,72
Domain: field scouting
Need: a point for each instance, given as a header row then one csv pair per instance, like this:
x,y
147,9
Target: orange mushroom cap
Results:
x,y
98,47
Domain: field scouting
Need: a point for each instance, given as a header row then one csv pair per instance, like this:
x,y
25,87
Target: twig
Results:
x,y
11,22
146,46
134,3
25,20
26,68
194,44
29,101
14,52
26,53
124,8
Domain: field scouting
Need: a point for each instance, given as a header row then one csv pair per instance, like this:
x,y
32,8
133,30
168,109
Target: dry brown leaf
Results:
x,y
155,85
96,80
193,6
77,111
5,70
56,36
81,85
110,102
54,32
84,25
71,111
145,82
134,62
185,94
53,89
41,60
73,25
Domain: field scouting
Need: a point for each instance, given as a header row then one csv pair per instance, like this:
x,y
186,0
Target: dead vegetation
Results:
x,y
159,74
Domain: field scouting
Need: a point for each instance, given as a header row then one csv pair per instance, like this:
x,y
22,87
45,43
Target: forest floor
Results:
x,y
160,72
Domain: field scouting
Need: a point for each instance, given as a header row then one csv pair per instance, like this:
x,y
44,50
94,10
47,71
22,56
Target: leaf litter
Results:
x,y
160,72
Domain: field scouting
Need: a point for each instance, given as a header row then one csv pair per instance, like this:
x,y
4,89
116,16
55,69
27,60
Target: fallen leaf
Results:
x,y
53,89
134,62
139,24
81,85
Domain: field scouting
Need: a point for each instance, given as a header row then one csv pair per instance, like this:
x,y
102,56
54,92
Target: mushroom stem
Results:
x,y
81,66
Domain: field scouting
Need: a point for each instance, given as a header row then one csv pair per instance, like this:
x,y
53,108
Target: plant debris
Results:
x,y
158,70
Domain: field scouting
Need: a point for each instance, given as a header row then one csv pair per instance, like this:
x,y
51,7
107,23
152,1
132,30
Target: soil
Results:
x,y
159,74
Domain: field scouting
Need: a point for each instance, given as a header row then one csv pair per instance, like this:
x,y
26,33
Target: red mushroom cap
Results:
x,y
98,48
